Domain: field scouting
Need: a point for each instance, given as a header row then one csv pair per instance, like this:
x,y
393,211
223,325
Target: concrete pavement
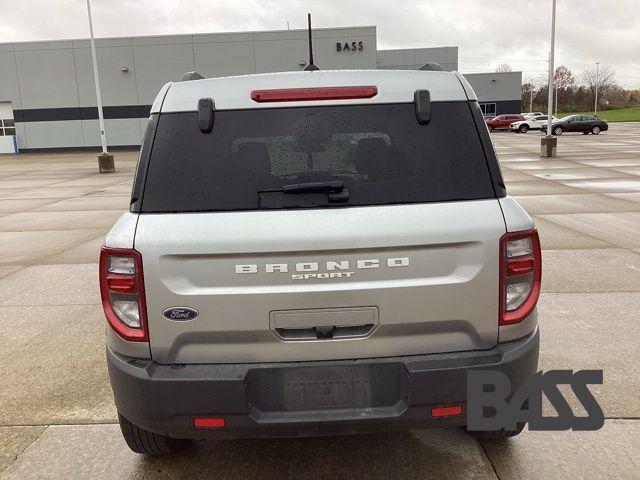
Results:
x,y
57,418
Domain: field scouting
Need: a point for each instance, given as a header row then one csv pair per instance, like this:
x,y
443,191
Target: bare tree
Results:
x,y
527,97
564,83
563,78
603,78
503,67
615,96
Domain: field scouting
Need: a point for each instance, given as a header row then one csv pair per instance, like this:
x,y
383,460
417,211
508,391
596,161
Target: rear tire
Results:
x,y
145,442
524,128
557,131
595,130
497,434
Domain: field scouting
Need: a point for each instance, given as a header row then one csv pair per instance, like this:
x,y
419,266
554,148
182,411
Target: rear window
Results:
x,y
379,154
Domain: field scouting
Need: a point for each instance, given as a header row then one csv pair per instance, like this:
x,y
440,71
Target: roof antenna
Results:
x,y
311,67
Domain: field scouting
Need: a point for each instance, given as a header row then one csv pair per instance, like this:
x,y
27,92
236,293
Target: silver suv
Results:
x,y
315,253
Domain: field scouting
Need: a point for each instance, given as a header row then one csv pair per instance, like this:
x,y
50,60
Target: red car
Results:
x,y
502,122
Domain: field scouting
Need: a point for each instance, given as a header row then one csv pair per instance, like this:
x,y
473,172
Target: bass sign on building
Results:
x,y
349,47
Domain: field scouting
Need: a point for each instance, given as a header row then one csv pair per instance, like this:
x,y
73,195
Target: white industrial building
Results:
x,y
47,93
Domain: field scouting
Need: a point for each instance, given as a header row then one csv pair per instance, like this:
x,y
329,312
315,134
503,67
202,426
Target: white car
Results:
x,y
531,114
533,123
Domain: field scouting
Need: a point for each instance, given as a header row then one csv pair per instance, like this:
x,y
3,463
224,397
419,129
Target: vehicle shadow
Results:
x,y
416,454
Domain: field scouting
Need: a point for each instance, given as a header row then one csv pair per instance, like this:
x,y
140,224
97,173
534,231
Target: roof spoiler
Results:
x,y
431,66
191,76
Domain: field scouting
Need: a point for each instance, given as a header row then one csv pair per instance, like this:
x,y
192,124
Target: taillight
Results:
x,y
122,291
314,93
520,275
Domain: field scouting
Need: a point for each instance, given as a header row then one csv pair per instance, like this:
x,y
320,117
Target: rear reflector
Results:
x,y
450,411
310,94
209,422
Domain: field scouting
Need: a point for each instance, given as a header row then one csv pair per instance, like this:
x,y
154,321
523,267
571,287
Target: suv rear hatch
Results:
x,y
310,233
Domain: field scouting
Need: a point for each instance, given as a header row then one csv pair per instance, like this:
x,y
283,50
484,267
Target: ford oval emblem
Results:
x,y
180,313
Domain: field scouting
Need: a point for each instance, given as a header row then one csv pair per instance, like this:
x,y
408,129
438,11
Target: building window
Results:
x,y
7,127
488,108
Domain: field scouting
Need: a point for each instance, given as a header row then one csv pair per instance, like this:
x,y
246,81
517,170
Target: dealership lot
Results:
x,y
57,417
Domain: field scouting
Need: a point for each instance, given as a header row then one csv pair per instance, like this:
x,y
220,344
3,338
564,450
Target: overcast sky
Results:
x,y
488,32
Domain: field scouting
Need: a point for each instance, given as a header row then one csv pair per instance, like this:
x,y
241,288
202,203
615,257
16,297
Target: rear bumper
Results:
x,y
301,399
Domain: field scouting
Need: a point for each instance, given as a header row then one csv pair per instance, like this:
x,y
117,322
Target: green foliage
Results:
x,y
631,114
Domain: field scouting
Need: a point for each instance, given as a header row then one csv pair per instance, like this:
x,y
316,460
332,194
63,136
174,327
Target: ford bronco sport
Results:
x,y
314,253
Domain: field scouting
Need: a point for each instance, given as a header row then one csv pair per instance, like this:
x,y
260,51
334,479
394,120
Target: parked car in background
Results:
x,y
578,123
502,122
531,114
531,123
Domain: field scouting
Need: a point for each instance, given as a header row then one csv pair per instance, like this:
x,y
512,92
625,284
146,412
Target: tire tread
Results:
x,y
145,442
497,434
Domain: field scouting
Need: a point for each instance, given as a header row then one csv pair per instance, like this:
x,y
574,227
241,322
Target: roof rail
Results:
x,y
191,76
431,66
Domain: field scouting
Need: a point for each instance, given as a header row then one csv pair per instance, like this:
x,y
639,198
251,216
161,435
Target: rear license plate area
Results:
x,y
326,387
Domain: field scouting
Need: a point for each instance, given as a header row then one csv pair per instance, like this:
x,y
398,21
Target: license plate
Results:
x,y
334,387
310,388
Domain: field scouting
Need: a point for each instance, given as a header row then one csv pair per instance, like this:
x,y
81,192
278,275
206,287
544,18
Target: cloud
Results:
x,y
488,33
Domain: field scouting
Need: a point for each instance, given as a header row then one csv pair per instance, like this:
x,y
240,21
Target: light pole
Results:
x,y
549,142
595,103
556,100
530,97
105,159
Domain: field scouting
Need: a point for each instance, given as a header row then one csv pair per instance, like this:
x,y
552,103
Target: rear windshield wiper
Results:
x,y
335,188
309,187
317,187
